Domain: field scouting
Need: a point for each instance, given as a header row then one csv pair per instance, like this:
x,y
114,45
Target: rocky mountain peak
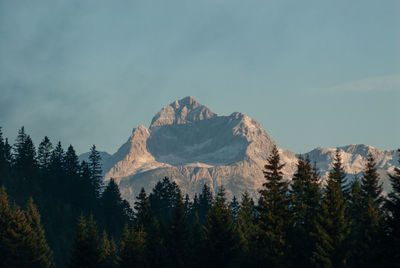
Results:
x,y
141,130
184,111
246,126
188,101
361,149
189,143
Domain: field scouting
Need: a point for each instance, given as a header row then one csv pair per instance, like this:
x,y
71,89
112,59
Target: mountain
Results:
x,y
189,143
354,158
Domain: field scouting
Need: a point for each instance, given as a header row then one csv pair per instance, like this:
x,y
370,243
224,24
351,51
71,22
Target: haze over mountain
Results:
x,y
189,143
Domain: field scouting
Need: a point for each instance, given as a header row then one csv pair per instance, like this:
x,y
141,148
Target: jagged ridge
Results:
x,y
189,143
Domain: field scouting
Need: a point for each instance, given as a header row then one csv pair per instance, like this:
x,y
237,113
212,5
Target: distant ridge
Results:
x,y
189,143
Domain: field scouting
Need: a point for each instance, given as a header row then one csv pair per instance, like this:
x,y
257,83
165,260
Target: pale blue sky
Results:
x,y
313,73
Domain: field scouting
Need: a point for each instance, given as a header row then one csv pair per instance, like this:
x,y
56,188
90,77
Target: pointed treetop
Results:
x,y
370,184
337,173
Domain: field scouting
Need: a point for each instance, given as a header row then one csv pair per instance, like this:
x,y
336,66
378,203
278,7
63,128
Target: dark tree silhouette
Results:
x,y
333,225
393,222
273,214
95,170
222,243
305,196
133,248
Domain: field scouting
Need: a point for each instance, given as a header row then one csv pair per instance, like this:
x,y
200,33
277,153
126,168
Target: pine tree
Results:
x,y
195,204
246,228
273,209
40,252
204,204
2,151
128,212
194,211
18,240
355,204
4,163
8,154
86,194
370,222
25,168
105,250
44,160
221,238
162,200
71,162
71,182
112,208
22,239
178,235
156,245
234,207
145,221
95,170
332,226
133,248
305,199
393,221
114,258
22,242
85,251
355,212
44,154
5,222
197,243
370,186
57,158
24,152
56,181
143,218
108,252
93,241
78,255
187,205
338,175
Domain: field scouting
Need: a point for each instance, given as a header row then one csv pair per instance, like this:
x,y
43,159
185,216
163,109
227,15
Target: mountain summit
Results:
x,y
184,111
189,143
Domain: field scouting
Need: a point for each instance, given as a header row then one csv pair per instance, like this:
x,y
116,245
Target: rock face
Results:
x,y
189,143
185,111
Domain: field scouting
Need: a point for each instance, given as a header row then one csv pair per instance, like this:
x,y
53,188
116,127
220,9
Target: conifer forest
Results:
x,y
58,212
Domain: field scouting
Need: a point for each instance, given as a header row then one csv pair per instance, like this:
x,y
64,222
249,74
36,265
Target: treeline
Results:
x,y
62,189
301,223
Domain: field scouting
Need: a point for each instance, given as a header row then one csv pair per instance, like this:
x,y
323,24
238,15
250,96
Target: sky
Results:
x,y
312,73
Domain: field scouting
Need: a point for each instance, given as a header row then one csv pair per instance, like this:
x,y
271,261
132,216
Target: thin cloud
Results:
x,y
379,83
